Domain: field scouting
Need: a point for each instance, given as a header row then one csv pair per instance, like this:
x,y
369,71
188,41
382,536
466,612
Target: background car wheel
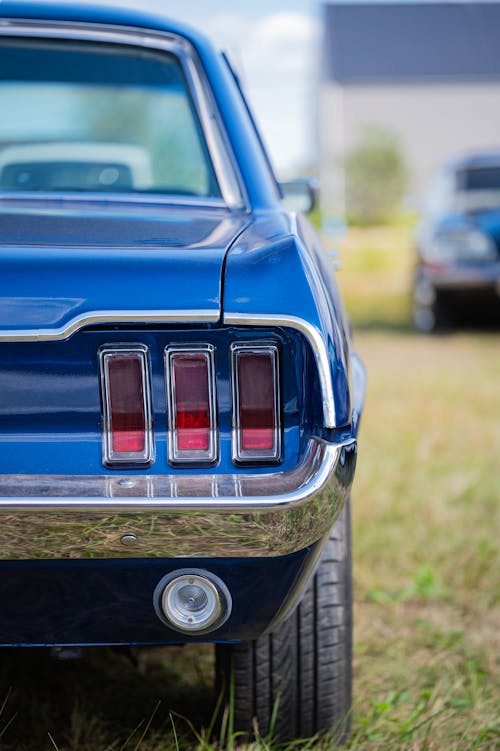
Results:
x,y
431,313
443,315
302,669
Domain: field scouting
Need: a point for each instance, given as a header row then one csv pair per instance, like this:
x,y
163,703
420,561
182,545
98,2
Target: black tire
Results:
x,y
302,669
432,312
443,314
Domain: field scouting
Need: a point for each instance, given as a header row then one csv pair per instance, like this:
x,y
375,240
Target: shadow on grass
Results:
x,y
383,326
105,700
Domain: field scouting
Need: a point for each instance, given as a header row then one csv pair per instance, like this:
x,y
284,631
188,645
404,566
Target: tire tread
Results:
x,y
305,663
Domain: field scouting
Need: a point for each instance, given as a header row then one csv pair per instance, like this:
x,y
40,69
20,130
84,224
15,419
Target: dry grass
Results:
x,y
376,269
426,507
426,557
426,562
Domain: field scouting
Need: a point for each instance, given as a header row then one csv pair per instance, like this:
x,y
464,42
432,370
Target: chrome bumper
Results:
x,y
471,277
130,516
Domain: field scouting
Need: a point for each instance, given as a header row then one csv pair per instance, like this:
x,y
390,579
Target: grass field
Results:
x,y
426,562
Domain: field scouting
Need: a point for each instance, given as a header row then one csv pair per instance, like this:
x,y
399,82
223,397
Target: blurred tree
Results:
x,y
376,177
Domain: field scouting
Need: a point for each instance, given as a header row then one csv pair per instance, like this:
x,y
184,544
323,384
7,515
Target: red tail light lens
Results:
x,y
192,405
128,435
256,428
191,398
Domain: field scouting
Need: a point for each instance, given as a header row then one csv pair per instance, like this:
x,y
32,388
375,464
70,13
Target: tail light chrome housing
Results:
x,y
192,416
256,402
126,402
192,435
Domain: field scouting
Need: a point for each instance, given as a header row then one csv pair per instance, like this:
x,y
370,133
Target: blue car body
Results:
x,y
85,544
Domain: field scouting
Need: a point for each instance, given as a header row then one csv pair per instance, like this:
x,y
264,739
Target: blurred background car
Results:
x,y
457,276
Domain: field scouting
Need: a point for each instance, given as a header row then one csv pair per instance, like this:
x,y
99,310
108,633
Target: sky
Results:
x,y
274,44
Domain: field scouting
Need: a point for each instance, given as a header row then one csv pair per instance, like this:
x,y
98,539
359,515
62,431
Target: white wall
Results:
x,y
435,122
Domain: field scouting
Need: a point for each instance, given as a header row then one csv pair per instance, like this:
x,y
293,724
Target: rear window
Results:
x,y
479,178
78,116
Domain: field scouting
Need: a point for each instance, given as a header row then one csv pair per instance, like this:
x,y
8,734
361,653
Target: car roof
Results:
x,y
476,159
102,14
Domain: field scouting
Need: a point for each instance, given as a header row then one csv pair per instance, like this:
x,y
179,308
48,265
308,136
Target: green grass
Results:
x,y
426,515
426,565
426,557
376,269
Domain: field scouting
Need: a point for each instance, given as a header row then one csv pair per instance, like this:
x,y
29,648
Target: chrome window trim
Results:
x,y
148,199
99,317
135,458
314,338
240,455
198,456
221,154
230,181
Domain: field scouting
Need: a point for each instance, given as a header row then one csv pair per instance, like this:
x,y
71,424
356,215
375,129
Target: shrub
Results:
x,y
376,177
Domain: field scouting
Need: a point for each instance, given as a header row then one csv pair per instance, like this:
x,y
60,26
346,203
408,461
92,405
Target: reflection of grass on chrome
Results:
x,y
425,512
32,536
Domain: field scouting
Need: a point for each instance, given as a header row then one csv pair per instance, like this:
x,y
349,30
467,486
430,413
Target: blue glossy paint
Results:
x,y
274,268
111,602
50,409
60,258
489,222
108,256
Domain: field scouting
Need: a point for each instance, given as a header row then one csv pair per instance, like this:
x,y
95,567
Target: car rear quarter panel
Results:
x,y
274,269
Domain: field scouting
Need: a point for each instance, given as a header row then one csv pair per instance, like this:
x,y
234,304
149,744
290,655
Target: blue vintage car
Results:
x,y
179,398
457,275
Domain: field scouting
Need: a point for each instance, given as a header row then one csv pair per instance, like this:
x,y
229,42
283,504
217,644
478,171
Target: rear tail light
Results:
x,y
256,426
126,397
192,429
191,403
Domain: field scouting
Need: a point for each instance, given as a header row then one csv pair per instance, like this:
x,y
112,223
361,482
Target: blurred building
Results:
x,y
430,72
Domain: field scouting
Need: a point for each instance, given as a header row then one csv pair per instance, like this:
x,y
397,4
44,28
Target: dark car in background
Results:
x,y
457,276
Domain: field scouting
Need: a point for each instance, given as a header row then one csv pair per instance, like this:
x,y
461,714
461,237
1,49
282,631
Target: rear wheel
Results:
x,y
296,680
431,310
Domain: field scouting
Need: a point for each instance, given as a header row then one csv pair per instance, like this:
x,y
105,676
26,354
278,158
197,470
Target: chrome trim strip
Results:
x,y
314,338
224,164
148,199
238,453
130,459
218,145
98,317
238,515
195,456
